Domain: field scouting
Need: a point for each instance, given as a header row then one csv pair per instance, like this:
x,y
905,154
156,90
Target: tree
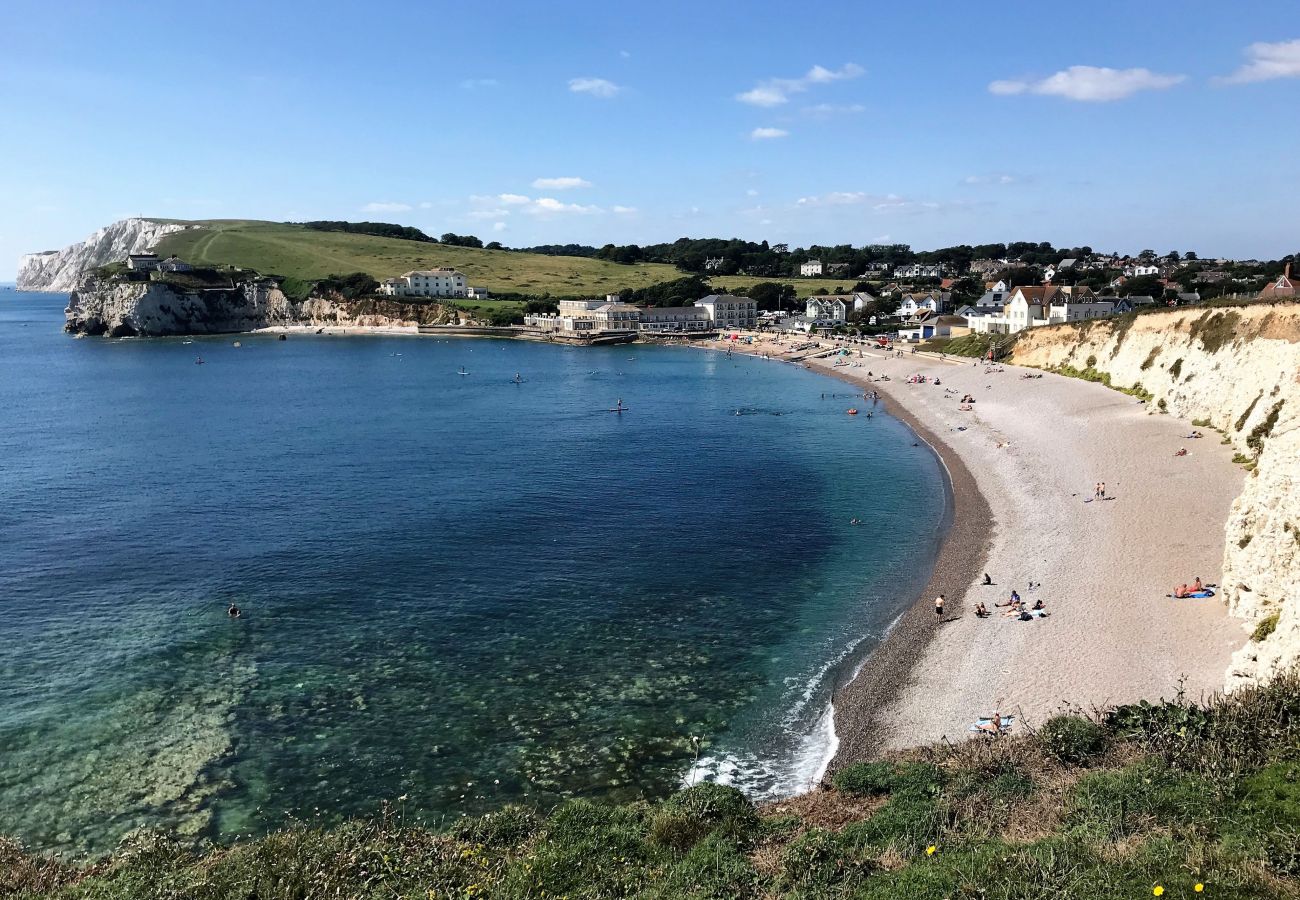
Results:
x,y
769,296
494,245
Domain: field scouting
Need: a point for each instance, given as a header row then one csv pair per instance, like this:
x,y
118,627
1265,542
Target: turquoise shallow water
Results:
x,y
458,590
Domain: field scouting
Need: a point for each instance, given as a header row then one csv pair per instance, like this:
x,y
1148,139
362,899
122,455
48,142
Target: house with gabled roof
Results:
x,y
1285,288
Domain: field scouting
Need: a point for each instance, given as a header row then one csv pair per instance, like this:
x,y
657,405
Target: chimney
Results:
x,y
1288,272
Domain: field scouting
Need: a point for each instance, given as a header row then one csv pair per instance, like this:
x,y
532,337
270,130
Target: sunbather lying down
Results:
x,y
995,724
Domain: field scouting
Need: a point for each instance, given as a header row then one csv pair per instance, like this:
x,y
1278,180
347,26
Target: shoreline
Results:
x,y
1031,450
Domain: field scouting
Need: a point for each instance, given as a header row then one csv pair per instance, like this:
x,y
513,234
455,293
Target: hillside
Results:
x,y
1173,800
307,254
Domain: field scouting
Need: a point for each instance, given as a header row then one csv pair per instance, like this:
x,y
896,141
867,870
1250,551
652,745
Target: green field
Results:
x,y
803,287
274,248
292,250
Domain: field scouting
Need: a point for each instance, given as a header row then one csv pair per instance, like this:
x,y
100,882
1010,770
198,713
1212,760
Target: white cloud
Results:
x,y
775,91
1267,61
596,87
625,210
989,179
751,193
824,110
498,226
877,202
1090,83
549,205
564,183
385,207
512,199
767,134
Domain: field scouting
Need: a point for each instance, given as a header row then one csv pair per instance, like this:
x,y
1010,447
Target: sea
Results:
x,y
464,581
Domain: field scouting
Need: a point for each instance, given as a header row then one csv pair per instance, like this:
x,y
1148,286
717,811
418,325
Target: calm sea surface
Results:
x,y
457,589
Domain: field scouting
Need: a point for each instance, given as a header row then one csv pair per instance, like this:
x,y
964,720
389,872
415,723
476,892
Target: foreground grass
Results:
x,y
308,255
1168,800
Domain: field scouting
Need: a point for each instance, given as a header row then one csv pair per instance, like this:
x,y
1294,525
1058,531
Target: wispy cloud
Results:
x,y
1090,83
990,179
767,134
875,202
826,110
596,87
563,183
1267,61
385,207
500,206
499,226
625,210
775,91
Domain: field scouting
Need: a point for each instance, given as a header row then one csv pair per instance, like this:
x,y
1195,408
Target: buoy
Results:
x,y
853,412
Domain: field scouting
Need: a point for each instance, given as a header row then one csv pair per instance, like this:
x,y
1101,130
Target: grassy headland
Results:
x,y
1173,800
307,254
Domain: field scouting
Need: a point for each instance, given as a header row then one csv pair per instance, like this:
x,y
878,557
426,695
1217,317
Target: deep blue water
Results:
x,y
457,590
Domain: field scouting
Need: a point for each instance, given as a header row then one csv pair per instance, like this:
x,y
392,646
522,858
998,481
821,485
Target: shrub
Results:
x,y
1072,739
1265,627
1255,440
1245,416
1151,359
876,778
1091,361
507,827
1177,369
687,816
820,861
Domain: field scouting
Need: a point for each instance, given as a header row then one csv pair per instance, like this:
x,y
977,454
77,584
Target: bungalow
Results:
x,y
142,262
1128,304
837,268
174,263
1284,288
811,268
929,327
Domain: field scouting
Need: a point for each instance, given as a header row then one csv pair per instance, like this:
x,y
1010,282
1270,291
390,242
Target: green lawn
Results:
x,y
279,249
803,287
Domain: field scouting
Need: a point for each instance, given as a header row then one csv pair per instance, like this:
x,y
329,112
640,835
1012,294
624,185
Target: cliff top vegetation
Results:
x,y
1173,799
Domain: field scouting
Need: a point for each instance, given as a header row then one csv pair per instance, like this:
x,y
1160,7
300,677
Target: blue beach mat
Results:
x,y
1007,722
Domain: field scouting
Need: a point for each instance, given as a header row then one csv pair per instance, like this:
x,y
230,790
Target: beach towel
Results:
x,y
1007,722
1198,595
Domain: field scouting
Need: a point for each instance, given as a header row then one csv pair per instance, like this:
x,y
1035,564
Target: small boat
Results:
x,y
462,371
237,344
853,412
618,407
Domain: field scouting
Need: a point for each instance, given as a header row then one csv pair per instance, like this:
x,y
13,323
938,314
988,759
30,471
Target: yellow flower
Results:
x,y
929,851
1157,890
1199,887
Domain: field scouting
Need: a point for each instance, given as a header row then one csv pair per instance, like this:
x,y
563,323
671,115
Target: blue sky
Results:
x,y
1169,125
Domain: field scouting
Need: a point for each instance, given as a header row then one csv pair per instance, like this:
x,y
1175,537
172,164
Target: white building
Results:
x,y
439,282
473,293
142,262
918,270
811,268
675,319
828,310
916,303
728,312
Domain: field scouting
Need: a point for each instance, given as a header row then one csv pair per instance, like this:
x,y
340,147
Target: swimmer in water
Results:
x,y
233,612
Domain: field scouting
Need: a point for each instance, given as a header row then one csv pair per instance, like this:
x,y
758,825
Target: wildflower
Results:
x,y
1199,887
929,851
1158,890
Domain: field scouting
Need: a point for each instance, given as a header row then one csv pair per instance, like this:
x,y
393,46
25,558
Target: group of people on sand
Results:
x,y
1183,591
1015,606
1099,491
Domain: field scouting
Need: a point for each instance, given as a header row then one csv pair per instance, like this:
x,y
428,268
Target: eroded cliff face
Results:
x,y
158,308
62,270
1238,371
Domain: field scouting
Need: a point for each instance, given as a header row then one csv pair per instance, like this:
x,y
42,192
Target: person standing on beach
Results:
x,y
938,606
1102,491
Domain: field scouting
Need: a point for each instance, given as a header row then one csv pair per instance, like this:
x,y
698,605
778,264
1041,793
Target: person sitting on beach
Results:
x,y
1197,586
987,579
233,612
1015,597
982,611
1039,604
993,725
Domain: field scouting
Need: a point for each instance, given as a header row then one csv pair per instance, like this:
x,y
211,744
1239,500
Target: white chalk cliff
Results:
x,y
1238,371
62,270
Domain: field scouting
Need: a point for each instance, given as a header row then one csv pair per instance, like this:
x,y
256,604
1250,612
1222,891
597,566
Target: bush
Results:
x,y
1266,626
687,816
876,778
819,861
1072,739
508,827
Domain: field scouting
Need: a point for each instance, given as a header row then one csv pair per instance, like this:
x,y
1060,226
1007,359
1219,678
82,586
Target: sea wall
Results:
x,y
158,308
62,270
1236,370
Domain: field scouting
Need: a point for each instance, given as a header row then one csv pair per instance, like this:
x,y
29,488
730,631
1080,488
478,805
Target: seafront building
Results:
x,y
730,312
440,282
612,316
